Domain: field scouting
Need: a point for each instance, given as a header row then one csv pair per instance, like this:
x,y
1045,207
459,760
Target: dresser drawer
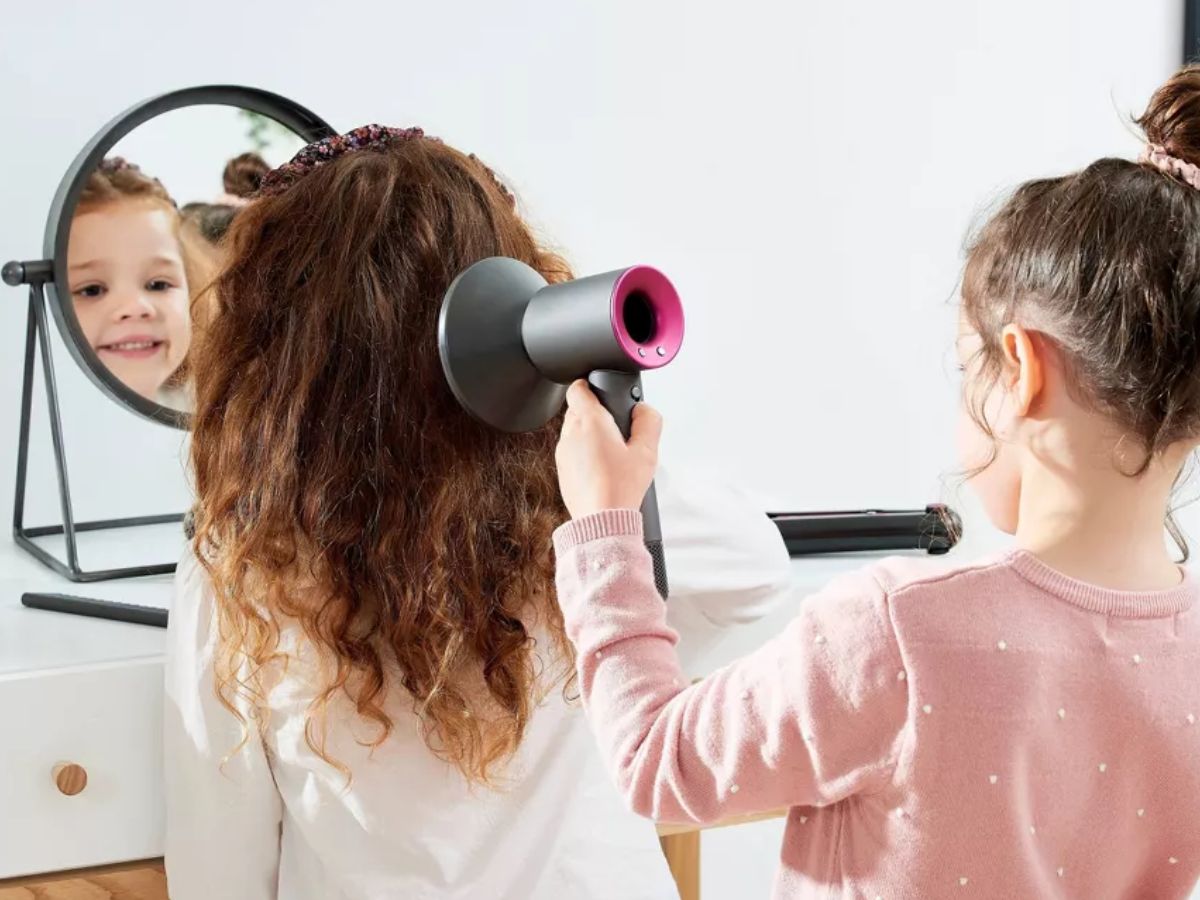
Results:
x,y
81,767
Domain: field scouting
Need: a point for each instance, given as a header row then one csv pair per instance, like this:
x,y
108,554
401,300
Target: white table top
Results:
x,y
35,642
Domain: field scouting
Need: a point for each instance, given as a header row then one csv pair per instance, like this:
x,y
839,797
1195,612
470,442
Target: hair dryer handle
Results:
x,y
619,393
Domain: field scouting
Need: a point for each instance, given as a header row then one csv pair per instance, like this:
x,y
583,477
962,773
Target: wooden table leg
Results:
x,y
683,856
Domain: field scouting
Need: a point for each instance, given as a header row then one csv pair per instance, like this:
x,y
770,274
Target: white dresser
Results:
x,y
85,693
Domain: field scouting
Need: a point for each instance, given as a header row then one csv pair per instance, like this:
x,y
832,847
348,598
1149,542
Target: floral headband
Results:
x,y
330,148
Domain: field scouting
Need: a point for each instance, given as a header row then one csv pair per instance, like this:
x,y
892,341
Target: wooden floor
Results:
x,y
135,881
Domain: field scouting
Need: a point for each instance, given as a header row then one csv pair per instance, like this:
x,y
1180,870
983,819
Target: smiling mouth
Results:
x,y
133,349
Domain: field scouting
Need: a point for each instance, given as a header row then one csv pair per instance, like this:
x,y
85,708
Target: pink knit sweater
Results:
x,y
995,730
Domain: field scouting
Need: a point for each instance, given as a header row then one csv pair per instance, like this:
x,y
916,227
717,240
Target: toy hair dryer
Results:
x,y
511,344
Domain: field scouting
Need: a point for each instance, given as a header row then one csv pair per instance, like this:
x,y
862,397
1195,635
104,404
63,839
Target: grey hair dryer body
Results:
x,y
511,344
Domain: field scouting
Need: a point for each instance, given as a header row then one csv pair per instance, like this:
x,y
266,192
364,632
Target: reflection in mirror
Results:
x,y
129,281
146,238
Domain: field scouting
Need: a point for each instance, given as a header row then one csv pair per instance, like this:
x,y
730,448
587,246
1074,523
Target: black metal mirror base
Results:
x,y
37,341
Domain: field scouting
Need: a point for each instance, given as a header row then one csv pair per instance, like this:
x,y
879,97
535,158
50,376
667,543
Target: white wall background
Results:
x,y
805,172
187,149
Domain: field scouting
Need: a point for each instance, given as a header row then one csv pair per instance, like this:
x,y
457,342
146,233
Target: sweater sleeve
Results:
x,y
813,716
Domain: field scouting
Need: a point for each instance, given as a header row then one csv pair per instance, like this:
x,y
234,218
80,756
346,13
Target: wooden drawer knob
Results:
x,y
70,778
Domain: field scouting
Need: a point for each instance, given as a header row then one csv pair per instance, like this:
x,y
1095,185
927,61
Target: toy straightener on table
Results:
x,y
934,529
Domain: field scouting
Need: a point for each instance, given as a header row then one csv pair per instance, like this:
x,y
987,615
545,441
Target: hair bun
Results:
x,y
1172,118
243,174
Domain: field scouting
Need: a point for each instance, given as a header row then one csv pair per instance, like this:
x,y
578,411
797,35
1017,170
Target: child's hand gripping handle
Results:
x,y
619,393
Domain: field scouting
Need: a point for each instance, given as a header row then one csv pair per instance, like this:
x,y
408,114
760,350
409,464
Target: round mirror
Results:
x,y
136,233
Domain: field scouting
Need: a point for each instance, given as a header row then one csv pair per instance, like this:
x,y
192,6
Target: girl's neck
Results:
x,y
1098,525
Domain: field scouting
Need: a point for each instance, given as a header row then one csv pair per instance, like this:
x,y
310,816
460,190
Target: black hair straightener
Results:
x,y
934,529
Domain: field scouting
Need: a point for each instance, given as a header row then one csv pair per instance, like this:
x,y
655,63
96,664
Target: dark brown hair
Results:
x,y
1105,264
340,485
243,174
210,220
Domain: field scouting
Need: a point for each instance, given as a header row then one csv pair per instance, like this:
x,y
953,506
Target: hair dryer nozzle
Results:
x,y
483,353
510,343
624,321
647,317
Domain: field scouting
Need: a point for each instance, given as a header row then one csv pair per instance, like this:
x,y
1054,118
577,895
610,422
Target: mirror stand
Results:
x,y
37,341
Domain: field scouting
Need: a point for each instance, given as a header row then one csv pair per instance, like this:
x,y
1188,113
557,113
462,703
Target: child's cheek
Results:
x,y
90,320
974,445
987,460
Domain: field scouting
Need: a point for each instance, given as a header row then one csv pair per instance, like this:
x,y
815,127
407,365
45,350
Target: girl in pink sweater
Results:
x,y
1023,726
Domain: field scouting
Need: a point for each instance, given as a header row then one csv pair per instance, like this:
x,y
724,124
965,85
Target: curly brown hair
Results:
x,y
342,489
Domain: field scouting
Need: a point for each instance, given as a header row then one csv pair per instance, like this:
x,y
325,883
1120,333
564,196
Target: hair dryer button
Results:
x,y
635,392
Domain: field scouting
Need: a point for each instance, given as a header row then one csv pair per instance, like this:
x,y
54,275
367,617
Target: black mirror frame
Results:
x,y
286,112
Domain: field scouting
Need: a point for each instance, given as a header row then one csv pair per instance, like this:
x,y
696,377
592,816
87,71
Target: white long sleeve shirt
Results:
x,y
275,822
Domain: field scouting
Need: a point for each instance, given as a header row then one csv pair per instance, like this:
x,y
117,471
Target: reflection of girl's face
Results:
x,y
130,292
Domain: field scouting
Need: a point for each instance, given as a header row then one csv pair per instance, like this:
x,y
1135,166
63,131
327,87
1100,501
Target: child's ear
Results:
x,y
1024,366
